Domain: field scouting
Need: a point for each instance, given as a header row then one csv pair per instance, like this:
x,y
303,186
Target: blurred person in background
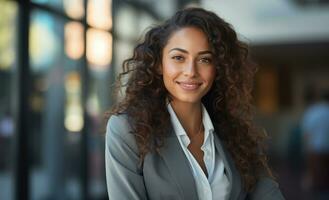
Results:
x,y
295,151
6,133
184,127
315,126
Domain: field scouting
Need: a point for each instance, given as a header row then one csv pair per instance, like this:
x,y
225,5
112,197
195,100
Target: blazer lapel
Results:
x,y
230,169
179,166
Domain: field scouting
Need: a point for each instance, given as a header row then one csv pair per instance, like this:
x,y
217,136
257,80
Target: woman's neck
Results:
x,y
189,115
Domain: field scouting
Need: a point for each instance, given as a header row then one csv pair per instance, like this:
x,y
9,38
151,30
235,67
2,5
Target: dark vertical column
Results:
x,y
84,131
21,173
113,70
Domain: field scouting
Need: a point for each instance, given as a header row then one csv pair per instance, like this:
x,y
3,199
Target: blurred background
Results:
x,y
58,59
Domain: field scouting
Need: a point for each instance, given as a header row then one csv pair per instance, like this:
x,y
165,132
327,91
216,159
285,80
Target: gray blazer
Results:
x,y
165,176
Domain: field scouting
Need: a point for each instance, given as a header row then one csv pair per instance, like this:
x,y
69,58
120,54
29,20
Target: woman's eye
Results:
x,y
205,60
178,58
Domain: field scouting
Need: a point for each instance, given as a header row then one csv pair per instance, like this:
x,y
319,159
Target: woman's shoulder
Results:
x,y
266,188
117,119
120,133
118,123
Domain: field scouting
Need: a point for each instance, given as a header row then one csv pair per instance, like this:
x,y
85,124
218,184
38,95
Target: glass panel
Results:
x,y
123,50
73,8
100,14
99,49
56,117
52,3
8,88
145,21
74,40
97,103
127,23
73,108
8,12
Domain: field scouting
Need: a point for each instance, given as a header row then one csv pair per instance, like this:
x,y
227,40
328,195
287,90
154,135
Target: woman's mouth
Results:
x,y
189,85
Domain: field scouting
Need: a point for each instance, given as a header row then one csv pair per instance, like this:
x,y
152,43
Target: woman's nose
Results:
x,y
190,69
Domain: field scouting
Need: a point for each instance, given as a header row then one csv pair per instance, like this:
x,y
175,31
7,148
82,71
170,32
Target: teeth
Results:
x,y
189,86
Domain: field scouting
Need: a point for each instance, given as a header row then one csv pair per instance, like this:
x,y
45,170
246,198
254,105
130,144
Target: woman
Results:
x,y
183,129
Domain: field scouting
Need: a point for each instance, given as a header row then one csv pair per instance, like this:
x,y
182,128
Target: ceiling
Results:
x,y
275,21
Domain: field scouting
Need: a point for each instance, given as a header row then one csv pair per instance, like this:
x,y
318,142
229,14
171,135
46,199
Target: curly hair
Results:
x,y
229,101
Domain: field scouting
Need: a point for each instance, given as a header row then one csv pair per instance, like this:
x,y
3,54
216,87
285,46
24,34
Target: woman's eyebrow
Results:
x,y
205,52
185,51
178,49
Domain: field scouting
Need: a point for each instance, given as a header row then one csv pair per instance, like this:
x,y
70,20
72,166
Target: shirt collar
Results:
x,y
178,128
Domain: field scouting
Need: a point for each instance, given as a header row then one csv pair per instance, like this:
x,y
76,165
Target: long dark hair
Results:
x,y
228,101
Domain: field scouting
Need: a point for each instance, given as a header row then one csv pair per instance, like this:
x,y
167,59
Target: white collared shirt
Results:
x,y
217,184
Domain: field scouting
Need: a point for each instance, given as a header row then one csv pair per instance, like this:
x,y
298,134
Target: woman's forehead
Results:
x,y
189,39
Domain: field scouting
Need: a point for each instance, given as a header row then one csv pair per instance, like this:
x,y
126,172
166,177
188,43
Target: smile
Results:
x,y
189,85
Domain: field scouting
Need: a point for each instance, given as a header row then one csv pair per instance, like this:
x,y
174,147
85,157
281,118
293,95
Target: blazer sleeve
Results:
x,y
266,188
124,179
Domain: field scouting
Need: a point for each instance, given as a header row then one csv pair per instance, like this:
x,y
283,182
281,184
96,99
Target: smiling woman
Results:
x,y
184,129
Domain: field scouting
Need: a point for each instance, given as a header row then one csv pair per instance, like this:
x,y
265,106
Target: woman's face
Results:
x,y
188,65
